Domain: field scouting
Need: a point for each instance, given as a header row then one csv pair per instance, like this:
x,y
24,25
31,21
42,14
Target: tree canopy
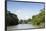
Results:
x,y
39,19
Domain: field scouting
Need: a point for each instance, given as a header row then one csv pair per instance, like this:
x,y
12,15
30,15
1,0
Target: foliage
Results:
x,y
21,21
10,18
38,19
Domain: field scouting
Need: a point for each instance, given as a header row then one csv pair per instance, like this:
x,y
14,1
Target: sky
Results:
x,y
24,10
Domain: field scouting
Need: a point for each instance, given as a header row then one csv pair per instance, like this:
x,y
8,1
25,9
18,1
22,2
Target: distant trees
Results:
x,y
28,21
21,21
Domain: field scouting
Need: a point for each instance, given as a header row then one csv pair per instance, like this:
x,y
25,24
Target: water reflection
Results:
x,y
20,27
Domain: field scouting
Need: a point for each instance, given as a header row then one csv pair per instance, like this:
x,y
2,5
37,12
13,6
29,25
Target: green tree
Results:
x,y
39,19
10,19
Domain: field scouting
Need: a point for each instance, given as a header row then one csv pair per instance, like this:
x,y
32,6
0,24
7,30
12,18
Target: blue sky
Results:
x,y
24,10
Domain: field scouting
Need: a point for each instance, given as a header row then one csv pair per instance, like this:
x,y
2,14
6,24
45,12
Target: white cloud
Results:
x,y
23,14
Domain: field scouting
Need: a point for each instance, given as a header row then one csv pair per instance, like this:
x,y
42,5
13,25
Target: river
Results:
x,y
20,27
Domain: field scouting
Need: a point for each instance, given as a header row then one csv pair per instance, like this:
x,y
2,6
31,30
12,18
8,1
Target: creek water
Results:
x,y
20,27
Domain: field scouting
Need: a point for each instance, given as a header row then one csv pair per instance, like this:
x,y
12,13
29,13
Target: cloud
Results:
x,y
25,13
